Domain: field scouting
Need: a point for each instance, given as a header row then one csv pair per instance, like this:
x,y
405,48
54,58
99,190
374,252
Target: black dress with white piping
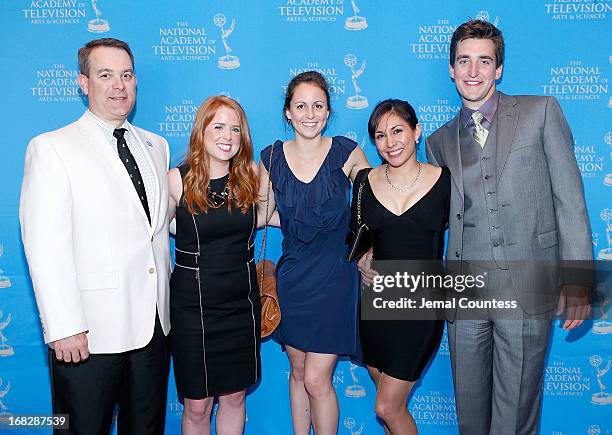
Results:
x,y
214,300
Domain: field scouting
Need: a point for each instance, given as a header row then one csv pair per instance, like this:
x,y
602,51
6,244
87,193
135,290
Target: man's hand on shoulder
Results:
x,y
72,349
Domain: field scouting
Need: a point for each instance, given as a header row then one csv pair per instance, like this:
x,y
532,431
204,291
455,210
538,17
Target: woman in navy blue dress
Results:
x,y
317,288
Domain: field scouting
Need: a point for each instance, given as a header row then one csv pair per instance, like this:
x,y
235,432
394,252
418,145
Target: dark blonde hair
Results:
x,y
242,182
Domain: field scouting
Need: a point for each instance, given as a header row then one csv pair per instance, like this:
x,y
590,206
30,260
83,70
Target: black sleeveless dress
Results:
x,y
402,348
214,300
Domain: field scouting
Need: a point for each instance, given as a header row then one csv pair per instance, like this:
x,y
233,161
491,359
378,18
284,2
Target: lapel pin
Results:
x,y
149,143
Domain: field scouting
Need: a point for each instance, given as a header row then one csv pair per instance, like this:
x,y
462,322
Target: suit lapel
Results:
x,y
507,120
99,145
453,153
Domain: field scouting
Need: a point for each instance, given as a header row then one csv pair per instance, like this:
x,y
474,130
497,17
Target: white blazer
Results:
x,y
95,262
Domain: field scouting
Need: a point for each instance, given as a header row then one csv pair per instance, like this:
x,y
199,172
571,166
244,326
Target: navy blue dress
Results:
x,y
317,287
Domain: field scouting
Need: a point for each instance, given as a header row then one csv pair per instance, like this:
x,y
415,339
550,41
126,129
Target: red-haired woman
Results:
x,y
214,298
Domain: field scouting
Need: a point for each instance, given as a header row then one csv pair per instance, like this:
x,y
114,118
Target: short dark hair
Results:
x,y
401,108
313,77
478,29
86,50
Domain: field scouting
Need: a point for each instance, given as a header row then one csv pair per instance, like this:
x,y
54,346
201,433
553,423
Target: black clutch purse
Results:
x,y
359,241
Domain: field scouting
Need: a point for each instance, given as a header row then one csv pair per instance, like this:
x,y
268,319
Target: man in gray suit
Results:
x,y
517,200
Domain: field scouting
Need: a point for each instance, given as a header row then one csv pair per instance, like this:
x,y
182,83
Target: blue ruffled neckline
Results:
x,y
308,199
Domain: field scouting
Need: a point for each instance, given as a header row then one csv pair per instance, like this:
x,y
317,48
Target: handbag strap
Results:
x,y
262,248
359,202
367,171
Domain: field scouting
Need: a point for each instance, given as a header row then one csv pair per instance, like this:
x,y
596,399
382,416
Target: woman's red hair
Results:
x,y
242,182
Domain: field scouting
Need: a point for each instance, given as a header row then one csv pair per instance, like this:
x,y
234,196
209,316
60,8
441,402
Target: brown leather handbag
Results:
x,y
266,279
270,309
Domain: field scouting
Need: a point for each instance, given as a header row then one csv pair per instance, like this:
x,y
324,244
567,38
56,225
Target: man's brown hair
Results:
x,y
478,29
86,50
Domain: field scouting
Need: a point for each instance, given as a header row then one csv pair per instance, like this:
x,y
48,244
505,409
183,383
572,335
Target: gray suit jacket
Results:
x,y
539,188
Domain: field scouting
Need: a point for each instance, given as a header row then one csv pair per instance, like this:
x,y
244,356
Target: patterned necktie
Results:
x,y
132,168
480,133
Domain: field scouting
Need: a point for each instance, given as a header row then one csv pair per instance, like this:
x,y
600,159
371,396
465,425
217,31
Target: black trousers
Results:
x,y
135,381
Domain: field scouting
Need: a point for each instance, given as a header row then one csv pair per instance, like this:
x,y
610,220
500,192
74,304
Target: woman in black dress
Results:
x,y
405,204
214,297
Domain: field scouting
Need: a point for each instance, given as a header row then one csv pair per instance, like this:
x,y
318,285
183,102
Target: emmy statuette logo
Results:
x,y
4,414
355,22
353,136
229,61
606,253
594,430
484,16
354,390
603,326
5,349
228,95
98,25
602,397
355,101
5,281
350,423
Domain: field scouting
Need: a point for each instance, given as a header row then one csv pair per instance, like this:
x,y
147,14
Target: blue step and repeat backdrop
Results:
x,y
249,50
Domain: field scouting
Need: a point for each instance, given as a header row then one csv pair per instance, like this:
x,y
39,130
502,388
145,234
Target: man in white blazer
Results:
x,y
94,226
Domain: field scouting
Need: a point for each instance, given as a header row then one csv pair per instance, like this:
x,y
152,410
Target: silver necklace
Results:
x,y
410,186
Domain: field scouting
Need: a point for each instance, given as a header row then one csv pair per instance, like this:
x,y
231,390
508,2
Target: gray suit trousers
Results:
x,y
498,367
